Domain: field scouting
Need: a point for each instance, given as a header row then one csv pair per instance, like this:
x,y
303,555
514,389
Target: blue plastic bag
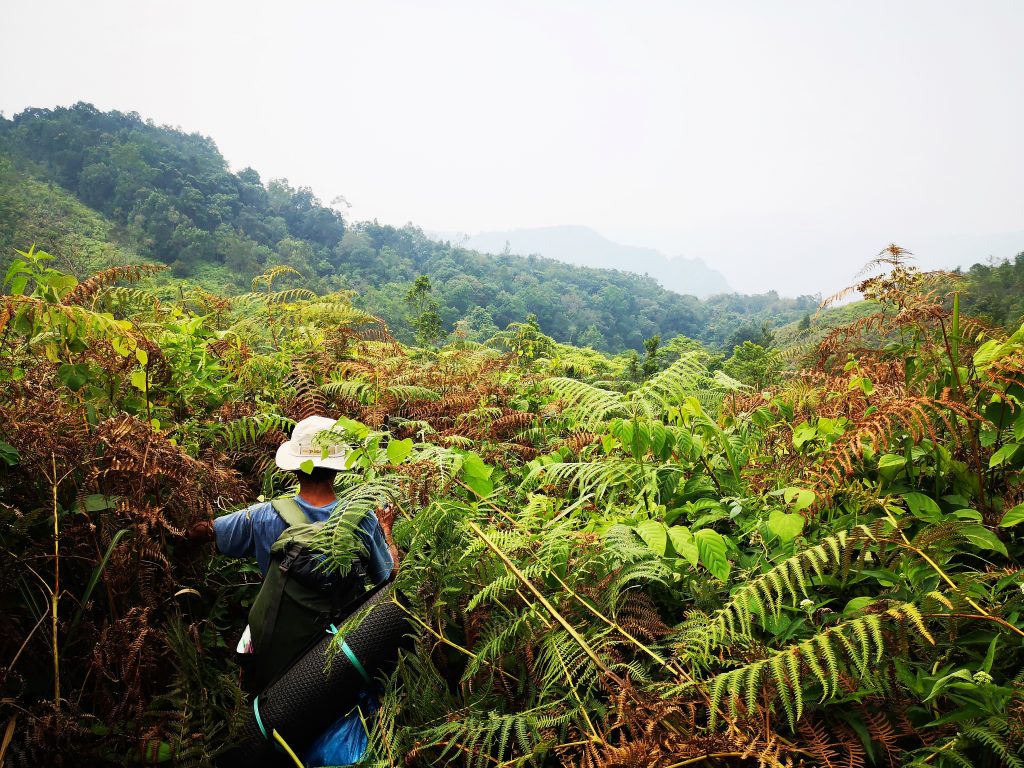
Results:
x,y
345,741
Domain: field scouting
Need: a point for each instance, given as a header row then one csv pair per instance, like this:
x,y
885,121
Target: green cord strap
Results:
x,y
259,721
351,656
355,662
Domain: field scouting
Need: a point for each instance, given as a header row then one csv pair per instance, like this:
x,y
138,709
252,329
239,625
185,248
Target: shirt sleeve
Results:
x,y
379,561
235,533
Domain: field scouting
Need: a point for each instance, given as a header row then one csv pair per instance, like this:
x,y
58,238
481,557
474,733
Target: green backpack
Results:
x,y
299,600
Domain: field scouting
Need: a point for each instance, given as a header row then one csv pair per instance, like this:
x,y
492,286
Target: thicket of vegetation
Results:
x,y
170,196
679,570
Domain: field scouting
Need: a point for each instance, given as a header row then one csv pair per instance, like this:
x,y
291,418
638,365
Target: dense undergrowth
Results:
x,y
686,571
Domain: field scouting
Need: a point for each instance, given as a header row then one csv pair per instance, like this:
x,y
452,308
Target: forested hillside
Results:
x,y
171,197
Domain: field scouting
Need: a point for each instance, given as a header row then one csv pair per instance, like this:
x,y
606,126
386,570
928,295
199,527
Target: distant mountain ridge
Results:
x,y
585,247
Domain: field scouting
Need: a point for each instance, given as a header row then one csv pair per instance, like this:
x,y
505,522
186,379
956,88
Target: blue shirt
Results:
x,y
252,532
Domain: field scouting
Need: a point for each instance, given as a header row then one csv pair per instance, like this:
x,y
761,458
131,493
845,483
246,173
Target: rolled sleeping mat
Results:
x,y
310,696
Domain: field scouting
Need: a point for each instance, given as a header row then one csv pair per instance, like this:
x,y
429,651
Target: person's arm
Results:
x,y
232,533
235,533
386,517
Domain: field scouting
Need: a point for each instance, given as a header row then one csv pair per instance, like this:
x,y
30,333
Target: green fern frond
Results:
x,y
587,404
855,647
249,429
765,595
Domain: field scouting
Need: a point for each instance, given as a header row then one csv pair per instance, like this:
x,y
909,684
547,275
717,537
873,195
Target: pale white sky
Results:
x,y
783,142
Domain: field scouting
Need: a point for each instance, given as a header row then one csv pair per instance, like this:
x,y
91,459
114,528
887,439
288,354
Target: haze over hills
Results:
x,y
585,247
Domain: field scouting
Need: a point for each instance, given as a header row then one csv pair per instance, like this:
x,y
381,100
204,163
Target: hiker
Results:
x,y
252,532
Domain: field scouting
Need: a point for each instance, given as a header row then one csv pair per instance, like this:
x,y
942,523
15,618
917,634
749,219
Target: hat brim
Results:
x,y
290,462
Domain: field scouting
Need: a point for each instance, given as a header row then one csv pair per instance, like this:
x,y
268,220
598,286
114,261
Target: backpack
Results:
x,y
299,599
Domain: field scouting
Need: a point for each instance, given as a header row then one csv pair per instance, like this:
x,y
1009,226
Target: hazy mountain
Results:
x,y
585,247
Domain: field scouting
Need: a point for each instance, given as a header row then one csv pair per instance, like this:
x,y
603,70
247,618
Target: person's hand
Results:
x,y
386,515
201,532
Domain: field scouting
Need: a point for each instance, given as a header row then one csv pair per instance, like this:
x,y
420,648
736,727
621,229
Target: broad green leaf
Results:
x,y
983,538
97,501
1018,427
712,548
922,507
307,466
473,466
891,461
654,534
999,413
683,543
967,514
122,345
398,450
18,285
9,454
787,526
990,656
1003,455
799,498
960,674
138,379
1012,516
856,605
482,486
804,433
74,377
142,356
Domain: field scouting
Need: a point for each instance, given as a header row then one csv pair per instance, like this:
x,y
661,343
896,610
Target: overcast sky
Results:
x,y
783,142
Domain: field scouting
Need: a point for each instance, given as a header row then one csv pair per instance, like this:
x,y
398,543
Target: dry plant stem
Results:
x,y
981,617
614,625
441,638
948,745
55,594
975,445
952,584
8,735
702,758
711,474
611,623
28,637
575,695
467,750
544,602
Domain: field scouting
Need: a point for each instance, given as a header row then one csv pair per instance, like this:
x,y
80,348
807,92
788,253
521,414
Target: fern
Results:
x,y
337,538
856,647
765,595
249,429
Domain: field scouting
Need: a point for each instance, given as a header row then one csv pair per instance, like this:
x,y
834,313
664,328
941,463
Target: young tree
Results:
x,y
591,337
650,365
424,316
754,365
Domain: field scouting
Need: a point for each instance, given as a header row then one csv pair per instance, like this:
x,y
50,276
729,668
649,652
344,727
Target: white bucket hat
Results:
x,y
304,446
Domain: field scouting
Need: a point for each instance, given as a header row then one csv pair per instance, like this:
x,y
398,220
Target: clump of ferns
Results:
x,y
858,648
203,705
518,653
589,406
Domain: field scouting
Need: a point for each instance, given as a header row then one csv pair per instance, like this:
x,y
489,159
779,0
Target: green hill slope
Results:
x,y
172,198
44,215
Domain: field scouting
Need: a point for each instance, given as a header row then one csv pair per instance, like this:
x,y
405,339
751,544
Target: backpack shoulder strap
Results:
x,y
290,511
